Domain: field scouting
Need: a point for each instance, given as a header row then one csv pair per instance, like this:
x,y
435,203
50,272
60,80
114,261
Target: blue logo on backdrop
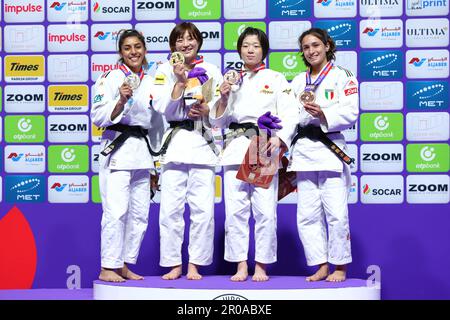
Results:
x,y
288,9
427,95
386,64
24,188
343,32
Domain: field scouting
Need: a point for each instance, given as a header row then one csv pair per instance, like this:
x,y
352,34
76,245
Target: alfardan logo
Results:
x,y
324,3
370,31
416,62
366,189
58,187
101,35
57,6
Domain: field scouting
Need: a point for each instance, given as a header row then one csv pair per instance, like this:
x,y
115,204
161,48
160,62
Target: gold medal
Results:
x,y
307,97
176,58
133,81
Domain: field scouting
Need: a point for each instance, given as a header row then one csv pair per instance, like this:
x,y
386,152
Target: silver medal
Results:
x,y
133,81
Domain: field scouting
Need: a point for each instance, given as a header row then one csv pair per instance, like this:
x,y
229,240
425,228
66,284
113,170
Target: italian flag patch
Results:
x,y
329,94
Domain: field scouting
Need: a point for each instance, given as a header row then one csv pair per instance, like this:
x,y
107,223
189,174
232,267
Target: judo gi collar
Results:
x,y
244,72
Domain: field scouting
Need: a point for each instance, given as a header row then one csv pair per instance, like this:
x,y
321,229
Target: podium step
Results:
x,y
221,288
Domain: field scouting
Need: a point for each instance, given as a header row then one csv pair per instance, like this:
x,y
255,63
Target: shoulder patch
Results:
x,y
160,79
348,73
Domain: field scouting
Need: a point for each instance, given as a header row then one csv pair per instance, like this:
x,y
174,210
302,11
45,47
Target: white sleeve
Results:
x,y
343,115
172,109
287,111
304,117
105,99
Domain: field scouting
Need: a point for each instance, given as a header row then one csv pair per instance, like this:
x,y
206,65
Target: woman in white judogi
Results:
x,y
188,165
124,173
262,90
323,179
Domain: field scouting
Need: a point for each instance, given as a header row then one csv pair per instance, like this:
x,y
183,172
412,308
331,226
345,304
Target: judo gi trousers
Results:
x,y
322,196
126,203
241,198
194,184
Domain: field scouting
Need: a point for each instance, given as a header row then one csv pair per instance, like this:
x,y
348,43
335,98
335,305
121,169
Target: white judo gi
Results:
x,y
124,175
323,180
265,90
188,175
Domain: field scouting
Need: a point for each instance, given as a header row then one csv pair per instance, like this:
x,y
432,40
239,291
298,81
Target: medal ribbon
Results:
x,y
243,72
127,71
322,75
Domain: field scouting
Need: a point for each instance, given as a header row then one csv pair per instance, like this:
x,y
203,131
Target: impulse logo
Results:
x,y
427,95
57,6
381,65
17,9
24,189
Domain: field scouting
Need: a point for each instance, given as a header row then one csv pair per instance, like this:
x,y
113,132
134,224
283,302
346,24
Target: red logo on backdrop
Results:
x,y
350,91
18,251
22,8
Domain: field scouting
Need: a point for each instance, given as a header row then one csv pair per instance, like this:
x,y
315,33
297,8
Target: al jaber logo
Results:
x,y
381,126
57,6
427,95
381,64
289,64
427,157
25,188
24,129
69,98
68,189
289,9
71,6
232,31
343,32
200,9
24,68
68,158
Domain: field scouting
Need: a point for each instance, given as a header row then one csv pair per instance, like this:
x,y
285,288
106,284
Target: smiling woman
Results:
x,y
122,105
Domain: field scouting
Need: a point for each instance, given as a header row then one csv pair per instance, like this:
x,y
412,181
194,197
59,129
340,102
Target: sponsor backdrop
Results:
x,y
53,51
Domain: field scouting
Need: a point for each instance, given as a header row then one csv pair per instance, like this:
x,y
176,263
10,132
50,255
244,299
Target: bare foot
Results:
x,y
260,272
338,275
175,273
242,272
320,274
110,275
128,274
192,273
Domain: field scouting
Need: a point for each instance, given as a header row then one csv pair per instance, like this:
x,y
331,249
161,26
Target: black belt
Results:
x,y
316,134
248,129
188,125
127,131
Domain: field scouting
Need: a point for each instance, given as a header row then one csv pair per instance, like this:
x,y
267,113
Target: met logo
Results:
x,y
427,95
288,9
343,32
381,64
25,188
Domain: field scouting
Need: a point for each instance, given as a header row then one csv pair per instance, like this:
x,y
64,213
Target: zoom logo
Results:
x,y
427,153
381,123
24,125
199,4
290,62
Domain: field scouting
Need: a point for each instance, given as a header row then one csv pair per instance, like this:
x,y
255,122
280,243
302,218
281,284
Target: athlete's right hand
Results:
x,y
225,89
125,93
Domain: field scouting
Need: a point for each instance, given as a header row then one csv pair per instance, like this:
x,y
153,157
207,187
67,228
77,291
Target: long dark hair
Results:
x,y
324,37
126,33
262,37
